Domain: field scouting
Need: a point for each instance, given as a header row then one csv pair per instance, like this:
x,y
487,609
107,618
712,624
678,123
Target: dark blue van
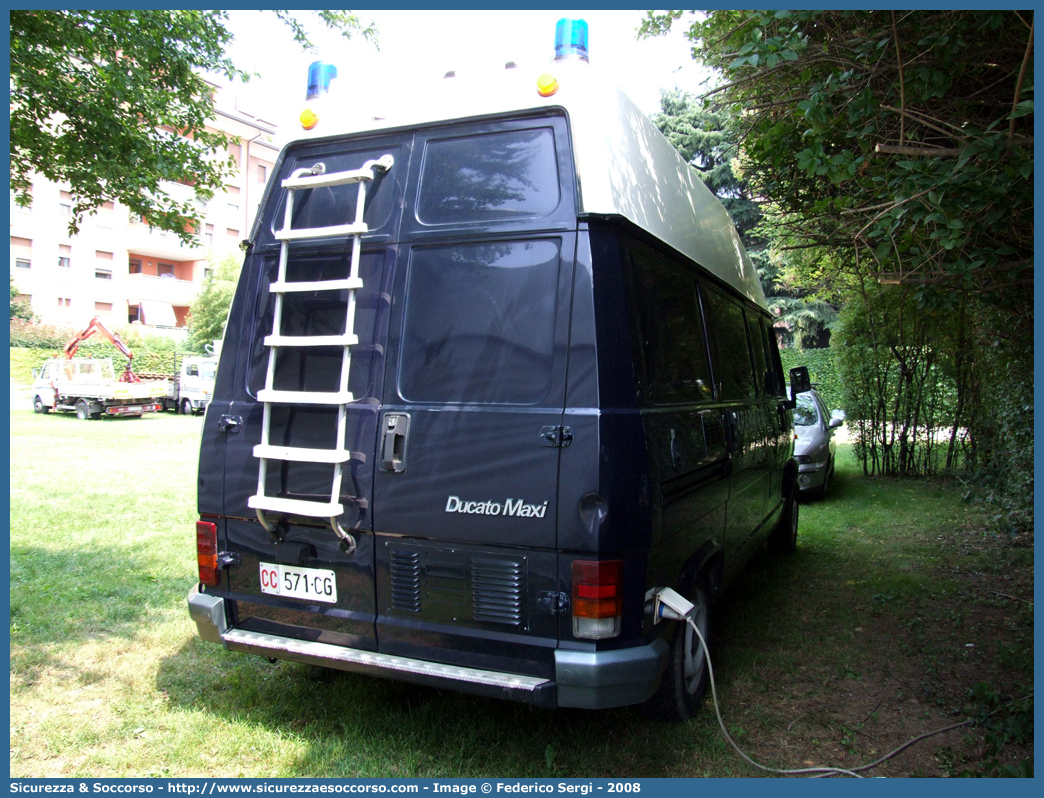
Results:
x,y
493,377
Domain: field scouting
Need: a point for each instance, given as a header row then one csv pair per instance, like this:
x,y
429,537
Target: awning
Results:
x,y
157,314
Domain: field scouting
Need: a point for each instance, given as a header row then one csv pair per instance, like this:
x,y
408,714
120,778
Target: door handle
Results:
x,y
676,458
393,442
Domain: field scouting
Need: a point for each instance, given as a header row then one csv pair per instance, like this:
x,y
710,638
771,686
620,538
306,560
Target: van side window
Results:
x,y
489,177
776,384
480,323
676,362
732,367
757,353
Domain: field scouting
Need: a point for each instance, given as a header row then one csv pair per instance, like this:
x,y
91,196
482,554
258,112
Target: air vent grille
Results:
x,y
496,588
406,581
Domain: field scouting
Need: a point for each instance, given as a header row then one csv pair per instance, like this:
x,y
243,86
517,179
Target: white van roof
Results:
x,y
624,165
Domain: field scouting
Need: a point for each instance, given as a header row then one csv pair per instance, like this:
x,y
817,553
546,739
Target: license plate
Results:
x,y
289,581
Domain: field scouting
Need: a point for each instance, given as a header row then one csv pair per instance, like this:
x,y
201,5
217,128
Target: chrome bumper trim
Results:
x,y
370,661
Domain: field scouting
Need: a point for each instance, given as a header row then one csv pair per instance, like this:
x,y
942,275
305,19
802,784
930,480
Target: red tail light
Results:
x,y
597,598
206,553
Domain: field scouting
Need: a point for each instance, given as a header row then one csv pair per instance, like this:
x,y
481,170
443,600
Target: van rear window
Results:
x,y
480,323
335,205
487,177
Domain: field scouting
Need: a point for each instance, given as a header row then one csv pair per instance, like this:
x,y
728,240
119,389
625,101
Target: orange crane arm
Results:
x,y
96,326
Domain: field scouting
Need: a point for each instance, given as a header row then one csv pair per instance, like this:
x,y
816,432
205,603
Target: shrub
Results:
x,y
28,335
901,384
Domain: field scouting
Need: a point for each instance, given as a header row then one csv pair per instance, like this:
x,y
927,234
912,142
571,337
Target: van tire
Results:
x,y
684,681
186,407
783,539
39,406
83,410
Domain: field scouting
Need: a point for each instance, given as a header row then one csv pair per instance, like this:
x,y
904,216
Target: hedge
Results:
x,y
32,345
826,378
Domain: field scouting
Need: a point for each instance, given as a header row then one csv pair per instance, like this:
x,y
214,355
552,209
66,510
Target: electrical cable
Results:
x,y
721,723
677,608
822,772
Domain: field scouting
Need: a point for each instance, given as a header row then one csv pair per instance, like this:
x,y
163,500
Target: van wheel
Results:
x,y
783,539
684,682
39,406
186,407
83,410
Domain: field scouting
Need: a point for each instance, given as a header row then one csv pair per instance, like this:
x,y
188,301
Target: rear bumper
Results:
x,y
585,679
133,410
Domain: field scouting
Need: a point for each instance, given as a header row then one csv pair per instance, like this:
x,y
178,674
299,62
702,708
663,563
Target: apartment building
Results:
x,y
119,269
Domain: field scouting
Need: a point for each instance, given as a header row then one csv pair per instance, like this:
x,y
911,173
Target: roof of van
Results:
x,y
624,165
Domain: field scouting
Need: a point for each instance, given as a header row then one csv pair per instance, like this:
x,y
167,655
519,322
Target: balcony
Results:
x,y
141,240
161,289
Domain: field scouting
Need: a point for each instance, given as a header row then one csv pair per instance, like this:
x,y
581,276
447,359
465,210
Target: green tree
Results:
x,y
115,103
708,140
206,322
20,309
899,144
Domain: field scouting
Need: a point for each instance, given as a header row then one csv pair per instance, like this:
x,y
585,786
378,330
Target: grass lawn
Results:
x,y
894,607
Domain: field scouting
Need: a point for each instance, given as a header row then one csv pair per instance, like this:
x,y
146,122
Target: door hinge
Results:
x,y
230,424
228,559
556,437
553,603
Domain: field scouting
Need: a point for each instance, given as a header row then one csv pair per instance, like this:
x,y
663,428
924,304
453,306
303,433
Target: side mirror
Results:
x,y
799,382
838,414
834,423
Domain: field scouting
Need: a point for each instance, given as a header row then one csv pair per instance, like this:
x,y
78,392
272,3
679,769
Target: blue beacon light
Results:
x,y
571,39
319,76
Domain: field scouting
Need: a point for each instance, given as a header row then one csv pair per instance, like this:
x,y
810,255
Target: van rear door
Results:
x,y
298,580
465,493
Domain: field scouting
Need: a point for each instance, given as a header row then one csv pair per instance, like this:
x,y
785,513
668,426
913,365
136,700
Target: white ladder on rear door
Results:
x,y
309,178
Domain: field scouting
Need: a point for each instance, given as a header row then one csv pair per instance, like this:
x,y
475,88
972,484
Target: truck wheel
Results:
x,y
783,539
83,410
39,406
186,407
684,682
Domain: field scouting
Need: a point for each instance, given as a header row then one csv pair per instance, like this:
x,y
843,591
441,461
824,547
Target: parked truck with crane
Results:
x,y
89,386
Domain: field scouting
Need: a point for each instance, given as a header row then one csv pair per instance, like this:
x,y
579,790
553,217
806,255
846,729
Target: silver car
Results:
x,y
814,448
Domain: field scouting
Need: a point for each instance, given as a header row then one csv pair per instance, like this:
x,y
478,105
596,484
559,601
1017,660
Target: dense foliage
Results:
x,y
902,138
115,103
209,312
894,152
708,141
27,335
